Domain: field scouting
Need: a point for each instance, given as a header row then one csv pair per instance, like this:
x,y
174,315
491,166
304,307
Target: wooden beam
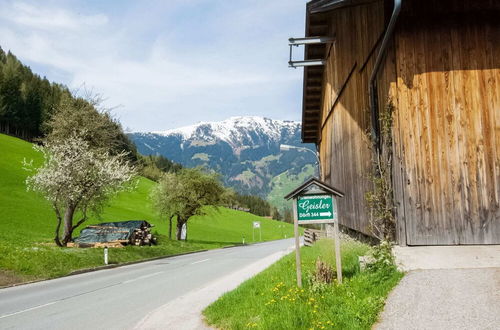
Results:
x,y
339,94
312,89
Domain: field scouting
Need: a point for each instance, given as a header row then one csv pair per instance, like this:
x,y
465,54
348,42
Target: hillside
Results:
x,y
245,150
27,224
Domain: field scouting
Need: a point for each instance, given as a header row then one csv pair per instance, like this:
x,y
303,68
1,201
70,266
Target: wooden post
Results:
x,y
297,244
338,260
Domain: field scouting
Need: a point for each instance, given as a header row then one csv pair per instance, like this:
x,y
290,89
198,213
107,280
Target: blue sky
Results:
x,y
165,64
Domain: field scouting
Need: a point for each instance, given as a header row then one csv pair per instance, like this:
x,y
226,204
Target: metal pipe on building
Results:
x,y
375,129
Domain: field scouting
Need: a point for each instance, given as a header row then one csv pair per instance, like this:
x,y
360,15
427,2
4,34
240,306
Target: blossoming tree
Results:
x,y
77,179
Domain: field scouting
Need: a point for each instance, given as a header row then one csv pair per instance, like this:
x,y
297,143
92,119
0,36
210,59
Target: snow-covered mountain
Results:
x,y
236,130
245,150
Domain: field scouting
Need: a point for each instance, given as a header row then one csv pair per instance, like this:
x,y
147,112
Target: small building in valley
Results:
x,y
408,92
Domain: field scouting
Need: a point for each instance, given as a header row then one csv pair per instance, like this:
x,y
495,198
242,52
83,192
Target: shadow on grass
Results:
x,y
218,243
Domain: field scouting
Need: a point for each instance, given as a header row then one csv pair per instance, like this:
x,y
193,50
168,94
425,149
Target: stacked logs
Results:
x,y
142,236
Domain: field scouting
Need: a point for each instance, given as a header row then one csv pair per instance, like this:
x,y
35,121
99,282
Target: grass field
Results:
x,y
27,225
272,300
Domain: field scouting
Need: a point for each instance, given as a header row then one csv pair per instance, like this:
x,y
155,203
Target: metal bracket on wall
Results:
x,y
307,41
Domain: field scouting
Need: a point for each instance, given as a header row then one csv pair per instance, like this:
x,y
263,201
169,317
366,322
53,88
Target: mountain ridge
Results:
x,y
235,121
245,150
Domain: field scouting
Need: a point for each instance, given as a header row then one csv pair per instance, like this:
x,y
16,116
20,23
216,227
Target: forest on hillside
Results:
x,y
28,101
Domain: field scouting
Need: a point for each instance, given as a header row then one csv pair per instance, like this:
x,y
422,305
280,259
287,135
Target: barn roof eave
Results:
x,y
317,26
314,181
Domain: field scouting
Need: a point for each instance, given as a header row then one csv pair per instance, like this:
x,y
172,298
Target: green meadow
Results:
x,y
27,224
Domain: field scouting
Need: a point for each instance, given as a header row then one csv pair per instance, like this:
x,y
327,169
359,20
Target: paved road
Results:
x,y
119,298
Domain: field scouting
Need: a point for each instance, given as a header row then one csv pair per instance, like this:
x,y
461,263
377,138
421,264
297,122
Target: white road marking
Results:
x,y
27,310
197,262
141,277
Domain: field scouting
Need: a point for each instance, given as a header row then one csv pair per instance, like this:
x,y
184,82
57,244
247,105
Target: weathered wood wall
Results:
x,y
344,146
442,73
448,110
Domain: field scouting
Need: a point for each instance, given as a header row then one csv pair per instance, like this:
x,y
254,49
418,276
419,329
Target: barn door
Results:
x,y
449,116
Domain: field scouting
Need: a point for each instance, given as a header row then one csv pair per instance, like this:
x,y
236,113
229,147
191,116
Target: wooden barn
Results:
x,y
413,85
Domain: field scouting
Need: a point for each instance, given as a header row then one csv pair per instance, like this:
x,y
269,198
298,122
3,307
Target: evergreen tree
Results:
x,y
10,94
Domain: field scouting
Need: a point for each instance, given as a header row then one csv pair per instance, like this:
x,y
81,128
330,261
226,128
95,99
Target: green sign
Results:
x,y
316,207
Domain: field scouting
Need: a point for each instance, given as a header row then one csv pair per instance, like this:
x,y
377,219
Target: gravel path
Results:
x,y
444,299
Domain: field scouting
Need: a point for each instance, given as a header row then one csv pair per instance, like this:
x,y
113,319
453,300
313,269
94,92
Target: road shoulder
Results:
x,y
185,311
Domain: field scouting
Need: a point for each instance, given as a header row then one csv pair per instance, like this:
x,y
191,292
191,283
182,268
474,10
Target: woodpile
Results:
x,y
142,236
116,234
112,244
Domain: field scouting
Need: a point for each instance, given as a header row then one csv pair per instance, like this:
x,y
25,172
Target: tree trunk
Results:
x,y
179,228
68,224
58,227
170,227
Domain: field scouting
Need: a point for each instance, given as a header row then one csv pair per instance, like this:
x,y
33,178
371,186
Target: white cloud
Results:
x,y
49,18
163,68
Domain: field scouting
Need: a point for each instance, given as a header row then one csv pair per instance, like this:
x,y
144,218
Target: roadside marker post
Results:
x,y
105,255
256,224
315,202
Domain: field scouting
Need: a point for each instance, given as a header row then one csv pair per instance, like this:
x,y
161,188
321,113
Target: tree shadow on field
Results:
x,y
219,243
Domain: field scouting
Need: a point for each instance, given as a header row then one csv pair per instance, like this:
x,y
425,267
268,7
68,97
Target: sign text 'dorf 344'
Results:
x,y
313,208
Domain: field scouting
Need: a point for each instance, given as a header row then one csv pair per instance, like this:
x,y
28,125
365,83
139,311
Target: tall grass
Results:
x,y
272,300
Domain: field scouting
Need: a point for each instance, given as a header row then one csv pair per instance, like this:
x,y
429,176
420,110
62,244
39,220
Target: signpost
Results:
x,y
316,209
315,202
